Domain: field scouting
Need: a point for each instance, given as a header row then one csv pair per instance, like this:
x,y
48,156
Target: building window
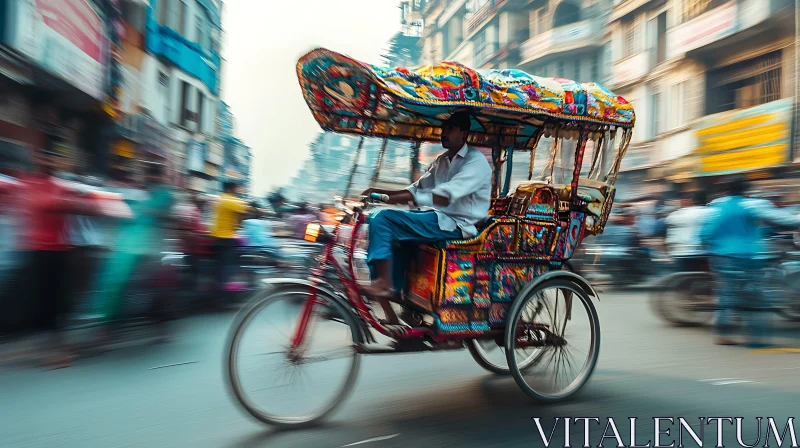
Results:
x,y
565,14
201,100
198,29
694,8
632,38
655,125
746,84
541,20
661,38
576,70
595,75
678,97
185,112
559,68
163,81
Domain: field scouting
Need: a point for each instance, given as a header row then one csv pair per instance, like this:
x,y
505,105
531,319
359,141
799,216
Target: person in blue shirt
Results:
x,y
735,235
258,234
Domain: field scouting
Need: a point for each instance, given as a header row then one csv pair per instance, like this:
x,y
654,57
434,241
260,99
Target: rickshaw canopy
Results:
x,y
508,107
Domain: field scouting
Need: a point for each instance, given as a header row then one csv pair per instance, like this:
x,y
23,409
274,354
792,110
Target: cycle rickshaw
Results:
x,y
503,289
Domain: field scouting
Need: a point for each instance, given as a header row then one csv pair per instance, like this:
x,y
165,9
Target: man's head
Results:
x,y
47,161
230,187
155,173
737,185
699,198
455,131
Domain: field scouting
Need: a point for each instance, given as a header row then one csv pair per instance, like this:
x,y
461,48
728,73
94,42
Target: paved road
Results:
x,y
174,396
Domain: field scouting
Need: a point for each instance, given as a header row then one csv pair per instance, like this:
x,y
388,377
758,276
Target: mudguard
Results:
x,y
580,281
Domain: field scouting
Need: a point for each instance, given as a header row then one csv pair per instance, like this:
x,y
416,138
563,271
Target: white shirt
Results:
x,y
466,181
683,231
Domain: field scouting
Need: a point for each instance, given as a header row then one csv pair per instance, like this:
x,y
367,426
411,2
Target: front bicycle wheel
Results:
x,y
293,388
559,319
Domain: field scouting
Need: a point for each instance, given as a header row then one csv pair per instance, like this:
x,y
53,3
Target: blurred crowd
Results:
x,y
78,250
730,229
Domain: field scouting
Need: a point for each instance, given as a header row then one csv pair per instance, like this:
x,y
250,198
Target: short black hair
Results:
x,y
699,197
229,186
155,169
737,185
460,120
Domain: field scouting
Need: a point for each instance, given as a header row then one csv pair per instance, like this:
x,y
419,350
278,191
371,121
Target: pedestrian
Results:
x,y
683,233
300,220
48,204
138,241
734,233
229,213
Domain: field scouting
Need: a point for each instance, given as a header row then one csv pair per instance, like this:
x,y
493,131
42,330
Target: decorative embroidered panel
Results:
x,y
500,239
569,238
346,95
535,239
459,278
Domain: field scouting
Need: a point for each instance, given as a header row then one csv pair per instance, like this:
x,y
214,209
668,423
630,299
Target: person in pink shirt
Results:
x,y
47,204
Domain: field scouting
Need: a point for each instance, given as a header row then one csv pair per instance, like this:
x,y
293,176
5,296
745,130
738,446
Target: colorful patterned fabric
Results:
x,y
481,297
452,319
346,95
569,238
459,279
535,238
500,239
479,320
498,313
508,280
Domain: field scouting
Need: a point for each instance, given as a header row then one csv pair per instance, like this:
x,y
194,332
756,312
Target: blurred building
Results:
x,y
53,80
712,83
181,77
237,156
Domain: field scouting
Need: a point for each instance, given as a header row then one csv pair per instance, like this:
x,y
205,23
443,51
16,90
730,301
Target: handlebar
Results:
x,y
379,197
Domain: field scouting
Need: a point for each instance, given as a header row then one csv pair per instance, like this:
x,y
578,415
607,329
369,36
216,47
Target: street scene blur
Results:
x,y
209,235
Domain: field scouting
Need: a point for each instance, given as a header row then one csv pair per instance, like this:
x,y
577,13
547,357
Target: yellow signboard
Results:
x,y
745,139
124,148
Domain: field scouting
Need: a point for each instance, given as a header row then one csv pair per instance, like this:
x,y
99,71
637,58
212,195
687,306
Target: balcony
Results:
x,y
484,53
703,30
631,69
575,36
453,7
483,15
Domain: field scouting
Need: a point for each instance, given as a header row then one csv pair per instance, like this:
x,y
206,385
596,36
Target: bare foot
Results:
x,y
379,290
724,341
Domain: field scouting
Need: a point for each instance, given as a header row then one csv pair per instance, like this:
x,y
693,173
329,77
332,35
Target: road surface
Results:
x,y
173,395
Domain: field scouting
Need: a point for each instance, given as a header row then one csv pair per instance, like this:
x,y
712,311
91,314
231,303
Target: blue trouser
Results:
x,y
739,288
388,229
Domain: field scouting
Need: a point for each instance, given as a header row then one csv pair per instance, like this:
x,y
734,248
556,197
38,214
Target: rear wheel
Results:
x,y
686,301
560,321
292,388
489,355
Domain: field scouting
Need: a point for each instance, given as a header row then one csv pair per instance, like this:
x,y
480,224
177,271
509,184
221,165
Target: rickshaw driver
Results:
x,y
453,196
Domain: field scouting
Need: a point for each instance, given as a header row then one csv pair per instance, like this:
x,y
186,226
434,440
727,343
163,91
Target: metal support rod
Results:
x,y
355,166
509,162
380,162
415,165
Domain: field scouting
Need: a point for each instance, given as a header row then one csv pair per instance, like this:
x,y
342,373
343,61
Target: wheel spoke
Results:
x,y
268,392
558,372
